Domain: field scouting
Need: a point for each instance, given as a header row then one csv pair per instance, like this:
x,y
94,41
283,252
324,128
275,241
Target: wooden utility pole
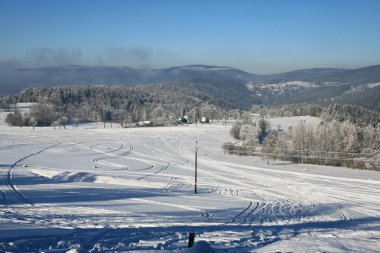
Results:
x,y
196,163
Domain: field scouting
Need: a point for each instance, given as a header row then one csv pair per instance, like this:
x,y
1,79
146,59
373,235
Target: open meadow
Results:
x,y
117,189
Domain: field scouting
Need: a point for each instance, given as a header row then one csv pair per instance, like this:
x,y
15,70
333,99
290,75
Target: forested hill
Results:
x,y
224,93
118,104
14,80
358,76
223,86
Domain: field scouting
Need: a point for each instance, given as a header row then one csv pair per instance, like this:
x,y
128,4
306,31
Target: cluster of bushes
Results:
x,y
39,115
328,143
249,133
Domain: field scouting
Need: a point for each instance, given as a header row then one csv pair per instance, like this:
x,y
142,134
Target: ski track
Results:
x,y
271,208
265,202
9,176
165,167
125,155
168,157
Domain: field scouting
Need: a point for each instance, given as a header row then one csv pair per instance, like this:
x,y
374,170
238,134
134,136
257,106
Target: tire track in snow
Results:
x,y
273,209
149,161
173,158
249,217
9,176
167,189
165,167
242,212
125,155
268,210
338,211
3,195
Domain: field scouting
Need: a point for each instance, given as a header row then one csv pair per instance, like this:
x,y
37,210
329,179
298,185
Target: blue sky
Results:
x,y
256,36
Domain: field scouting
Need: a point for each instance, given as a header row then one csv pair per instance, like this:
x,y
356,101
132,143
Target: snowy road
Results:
x,y
132,189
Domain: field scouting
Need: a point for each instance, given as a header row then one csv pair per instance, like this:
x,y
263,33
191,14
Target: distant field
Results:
x,y
286,122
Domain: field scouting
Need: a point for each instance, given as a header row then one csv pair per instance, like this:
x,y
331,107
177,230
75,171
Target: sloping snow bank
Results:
x,y
59,176
201,246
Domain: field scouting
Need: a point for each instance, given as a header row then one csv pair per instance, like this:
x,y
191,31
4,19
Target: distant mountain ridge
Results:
x,y
16,79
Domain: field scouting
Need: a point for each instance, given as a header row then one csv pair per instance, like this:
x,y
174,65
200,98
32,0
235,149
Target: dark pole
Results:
x,y
191,240
196,161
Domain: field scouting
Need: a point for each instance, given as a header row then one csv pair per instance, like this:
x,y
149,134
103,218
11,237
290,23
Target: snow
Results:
x,y
22,107
280,88
286,122
200,246
132,190
250,86
373,85
288,84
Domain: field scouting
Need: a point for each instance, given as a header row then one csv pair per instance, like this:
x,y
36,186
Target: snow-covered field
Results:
x,y
122,190
285,122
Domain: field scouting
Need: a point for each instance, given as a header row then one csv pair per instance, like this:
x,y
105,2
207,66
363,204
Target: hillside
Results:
x,y
331,75
225,86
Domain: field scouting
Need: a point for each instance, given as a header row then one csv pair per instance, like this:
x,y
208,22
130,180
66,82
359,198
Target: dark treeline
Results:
x,y
162,104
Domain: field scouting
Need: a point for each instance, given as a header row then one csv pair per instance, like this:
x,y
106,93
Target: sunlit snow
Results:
x,y
115,189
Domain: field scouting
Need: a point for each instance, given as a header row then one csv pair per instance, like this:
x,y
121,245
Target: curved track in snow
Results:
x,y
9,176
243,204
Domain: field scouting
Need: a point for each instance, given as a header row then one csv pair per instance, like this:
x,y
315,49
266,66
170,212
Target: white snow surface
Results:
x,y
373,85
285,122
90,189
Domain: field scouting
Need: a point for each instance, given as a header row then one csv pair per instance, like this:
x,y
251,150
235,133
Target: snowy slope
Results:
x,y
121,190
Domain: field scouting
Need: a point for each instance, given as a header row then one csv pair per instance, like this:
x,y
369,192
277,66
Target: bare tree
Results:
x,y
33,122
235,131
62,121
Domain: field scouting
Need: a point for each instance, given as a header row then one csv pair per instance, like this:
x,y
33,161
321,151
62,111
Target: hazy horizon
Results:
x,y
258,37
16,66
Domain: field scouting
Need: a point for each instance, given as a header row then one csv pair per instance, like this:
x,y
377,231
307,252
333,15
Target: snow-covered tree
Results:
x,y
43,113
14,119
158,115
248,134
235,131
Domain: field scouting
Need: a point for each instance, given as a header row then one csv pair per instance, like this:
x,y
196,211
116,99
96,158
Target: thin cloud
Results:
x,y
137,57
49,57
